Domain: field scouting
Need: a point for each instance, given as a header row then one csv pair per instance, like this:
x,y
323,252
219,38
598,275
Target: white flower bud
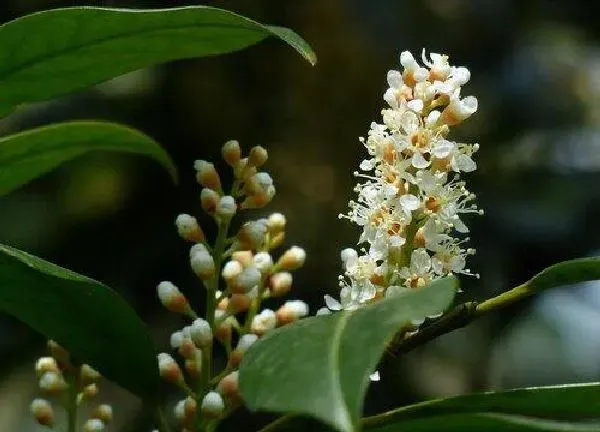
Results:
x,y
52,382
89,374
292,310
179,411
231,152
103,412
209,199
244,257
169,369
201,333
323,311
263,262
190,406
276,223
257,157
246,342
292,259
231,270
42,412
252,235
203,265
93,425
348,256
226,207
177,339
246,280
172,299
89,391
188,228
212,405
198,248
280,283
207,175
228,386
45,364
263,322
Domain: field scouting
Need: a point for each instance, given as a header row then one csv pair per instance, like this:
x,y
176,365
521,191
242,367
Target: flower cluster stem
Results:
x,y
73,381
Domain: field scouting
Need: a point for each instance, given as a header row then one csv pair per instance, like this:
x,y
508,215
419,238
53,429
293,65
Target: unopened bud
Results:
x,y
263,262
59,354
228,387
276,223
252,235
231,270
169,369
89,391
276,240
291,311
42,412
292,259
263,322
238,303
223,326
187,349
193,366
176,339
52,382
257,157
179,411
89,374
243,171
207,175
190,406
244,343
203,265
45,364
201,333
244,257
209,200
226,207
259,200
280,283
189,229
231,152
246,280
103,412
459,110
93,425
212,405
172,299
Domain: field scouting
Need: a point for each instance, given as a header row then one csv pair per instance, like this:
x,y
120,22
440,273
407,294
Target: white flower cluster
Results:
x,y
412,200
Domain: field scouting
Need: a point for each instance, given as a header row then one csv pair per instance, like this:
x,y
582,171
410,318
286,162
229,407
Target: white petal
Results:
x,y
457,263
442,148
397,241
416,105
459,225
375,376
418,161
394,79
332,303
420,261
410,202
367,164
464,163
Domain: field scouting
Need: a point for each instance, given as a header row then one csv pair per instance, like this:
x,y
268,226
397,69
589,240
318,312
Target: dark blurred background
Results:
x,y
536,71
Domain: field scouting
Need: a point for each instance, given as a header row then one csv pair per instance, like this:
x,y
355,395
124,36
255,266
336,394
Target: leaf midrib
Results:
x,y
336,344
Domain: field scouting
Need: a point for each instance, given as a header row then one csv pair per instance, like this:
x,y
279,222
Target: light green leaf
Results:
x,y
27,155
50,53
566,273
320,366
89,319
562,407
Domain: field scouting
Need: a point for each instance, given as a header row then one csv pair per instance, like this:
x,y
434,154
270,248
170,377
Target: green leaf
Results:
x,y
89,319
320,366
27,155
566,273
54,52
542,407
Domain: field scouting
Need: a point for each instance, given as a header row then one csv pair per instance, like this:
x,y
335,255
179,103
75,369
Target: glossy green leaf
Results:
x,y
89,319
526,408
566,273
320,366
54,52
27,155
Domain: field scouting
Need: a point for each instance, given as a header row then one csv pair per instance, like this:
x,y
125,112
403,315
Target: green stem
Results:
x,y
73,381
163,424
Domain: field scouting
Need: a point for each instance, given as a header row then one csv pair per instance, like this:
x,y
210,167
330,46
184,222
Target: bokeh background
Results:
x,y
536,71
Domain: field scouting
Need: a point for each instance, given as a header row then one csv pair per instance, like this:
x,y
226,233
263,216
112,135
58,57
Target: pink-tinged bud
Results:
x,y
45,364
187,349
280,283
226,207
228,387
42,412
238,303
244,257
194,366
292,259
291,311
172,299
169,370
459,110
93,425
231,152
52,382
189,229
190,407
223,304
231,270
176,339
59,354
263,262
246,280
276,223
263,322
103,412
209,200
89,374
89,391
212,405
257,157
203,265
252,235
223,325
258,200
243,344
207,175
201,333
243,171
